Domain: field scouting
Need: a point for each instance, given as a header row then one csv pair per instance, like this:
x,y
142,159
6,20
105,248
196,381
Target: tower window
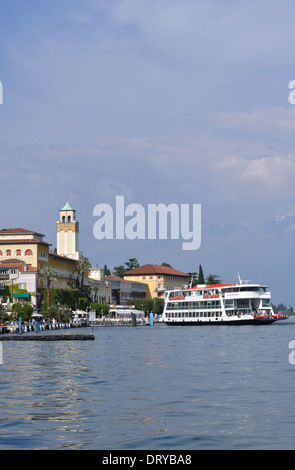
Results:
x,y
69,219
63,219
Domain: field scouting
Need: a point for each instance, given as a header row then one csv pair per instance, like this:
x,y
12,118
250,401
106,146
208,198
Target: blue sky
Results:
x,y
172,101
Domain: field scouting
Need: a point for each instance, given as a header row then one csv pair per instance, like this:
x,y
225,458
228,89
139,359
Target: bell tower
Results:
x,y
68,233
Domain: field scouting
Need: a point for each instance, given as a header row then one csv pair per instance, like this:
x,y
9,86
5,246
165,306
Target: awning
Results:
x,y
23,295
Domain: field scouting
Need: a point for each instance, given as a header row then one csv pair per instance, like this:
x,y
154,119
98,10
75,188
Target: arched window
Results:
x,y
69,219
18,252
28,253
8,253
1,254
63,219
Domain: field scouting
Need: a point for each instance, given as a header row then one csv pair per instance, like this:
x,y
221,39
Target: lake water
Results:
x,y
161,387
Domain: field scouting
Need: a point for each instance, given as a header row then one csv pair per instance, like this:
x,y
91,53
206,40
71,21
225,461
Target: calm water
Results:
x,y
210,387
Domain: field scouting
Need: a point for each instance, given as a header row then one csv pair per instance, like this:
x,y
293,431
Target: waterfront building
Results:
x,y
66,270
158,279
24,255
123,290
18,282
101,291
24,245
96,273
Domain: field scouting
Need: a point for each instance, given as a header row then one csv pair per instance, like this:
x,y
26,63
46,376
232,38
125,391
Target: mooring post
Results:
x,y
133,319
20,328
151,319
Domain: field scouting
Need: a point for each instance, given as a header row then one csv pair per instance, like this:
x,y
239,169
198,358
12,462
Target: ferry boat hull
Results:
x,y
254,321
220,304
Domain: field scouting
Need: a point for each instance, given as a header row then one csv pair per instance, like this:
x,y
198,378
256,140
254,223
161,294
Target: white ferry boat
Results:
x,y
239,303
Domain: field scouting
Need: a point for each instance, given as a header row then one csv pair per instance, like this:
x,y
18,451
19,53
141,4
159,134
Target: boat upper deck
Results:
x,y
219,290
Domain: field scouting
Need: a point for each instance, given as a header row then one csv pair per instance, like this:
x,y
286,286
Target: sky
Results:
x,y
159,101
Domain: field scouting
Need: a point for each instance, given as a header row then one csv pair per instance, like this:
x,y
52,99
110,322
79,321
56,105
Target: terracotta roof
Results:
x,y
65,258
30,269
25,241
154,269
20,230
18,265
10,265
117,278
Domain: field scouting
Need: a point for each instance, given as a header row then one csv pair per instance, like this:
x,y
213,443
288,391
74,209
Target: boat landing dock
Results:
x,y
46,337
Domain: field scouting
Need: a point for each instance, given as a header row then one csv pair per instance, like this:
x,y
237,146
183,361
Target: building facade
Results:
x,y
123,290
18,282
158,279
24,245
24,256
96,273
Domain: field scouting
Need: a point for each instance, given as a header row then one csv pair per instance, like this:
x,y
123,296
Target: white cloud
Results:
x,y
116,94
257,121
275,171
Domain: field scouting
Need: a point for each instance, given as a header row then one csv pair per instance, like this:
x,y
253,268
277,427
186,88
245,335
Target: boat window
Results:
x,y
242,303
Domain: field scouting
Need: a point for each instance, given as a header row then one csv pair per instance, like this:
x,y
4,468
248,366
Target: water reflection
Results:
x,y
40,383
147,388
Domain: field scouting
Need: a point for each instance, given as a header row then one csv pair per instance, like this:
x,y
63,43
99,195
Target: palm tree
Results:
x,y
95,296
83,265
48,275
213,279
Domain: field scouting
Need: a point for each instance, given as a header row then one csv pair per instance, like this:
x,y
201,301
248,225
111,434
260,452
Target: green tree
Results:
x,y
166,264
23,310
201,279
119,271
106,271
83,265
51,311
101,309
3,315
48,275
148,305
65,297
83,303
213,279
193,279
132,263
